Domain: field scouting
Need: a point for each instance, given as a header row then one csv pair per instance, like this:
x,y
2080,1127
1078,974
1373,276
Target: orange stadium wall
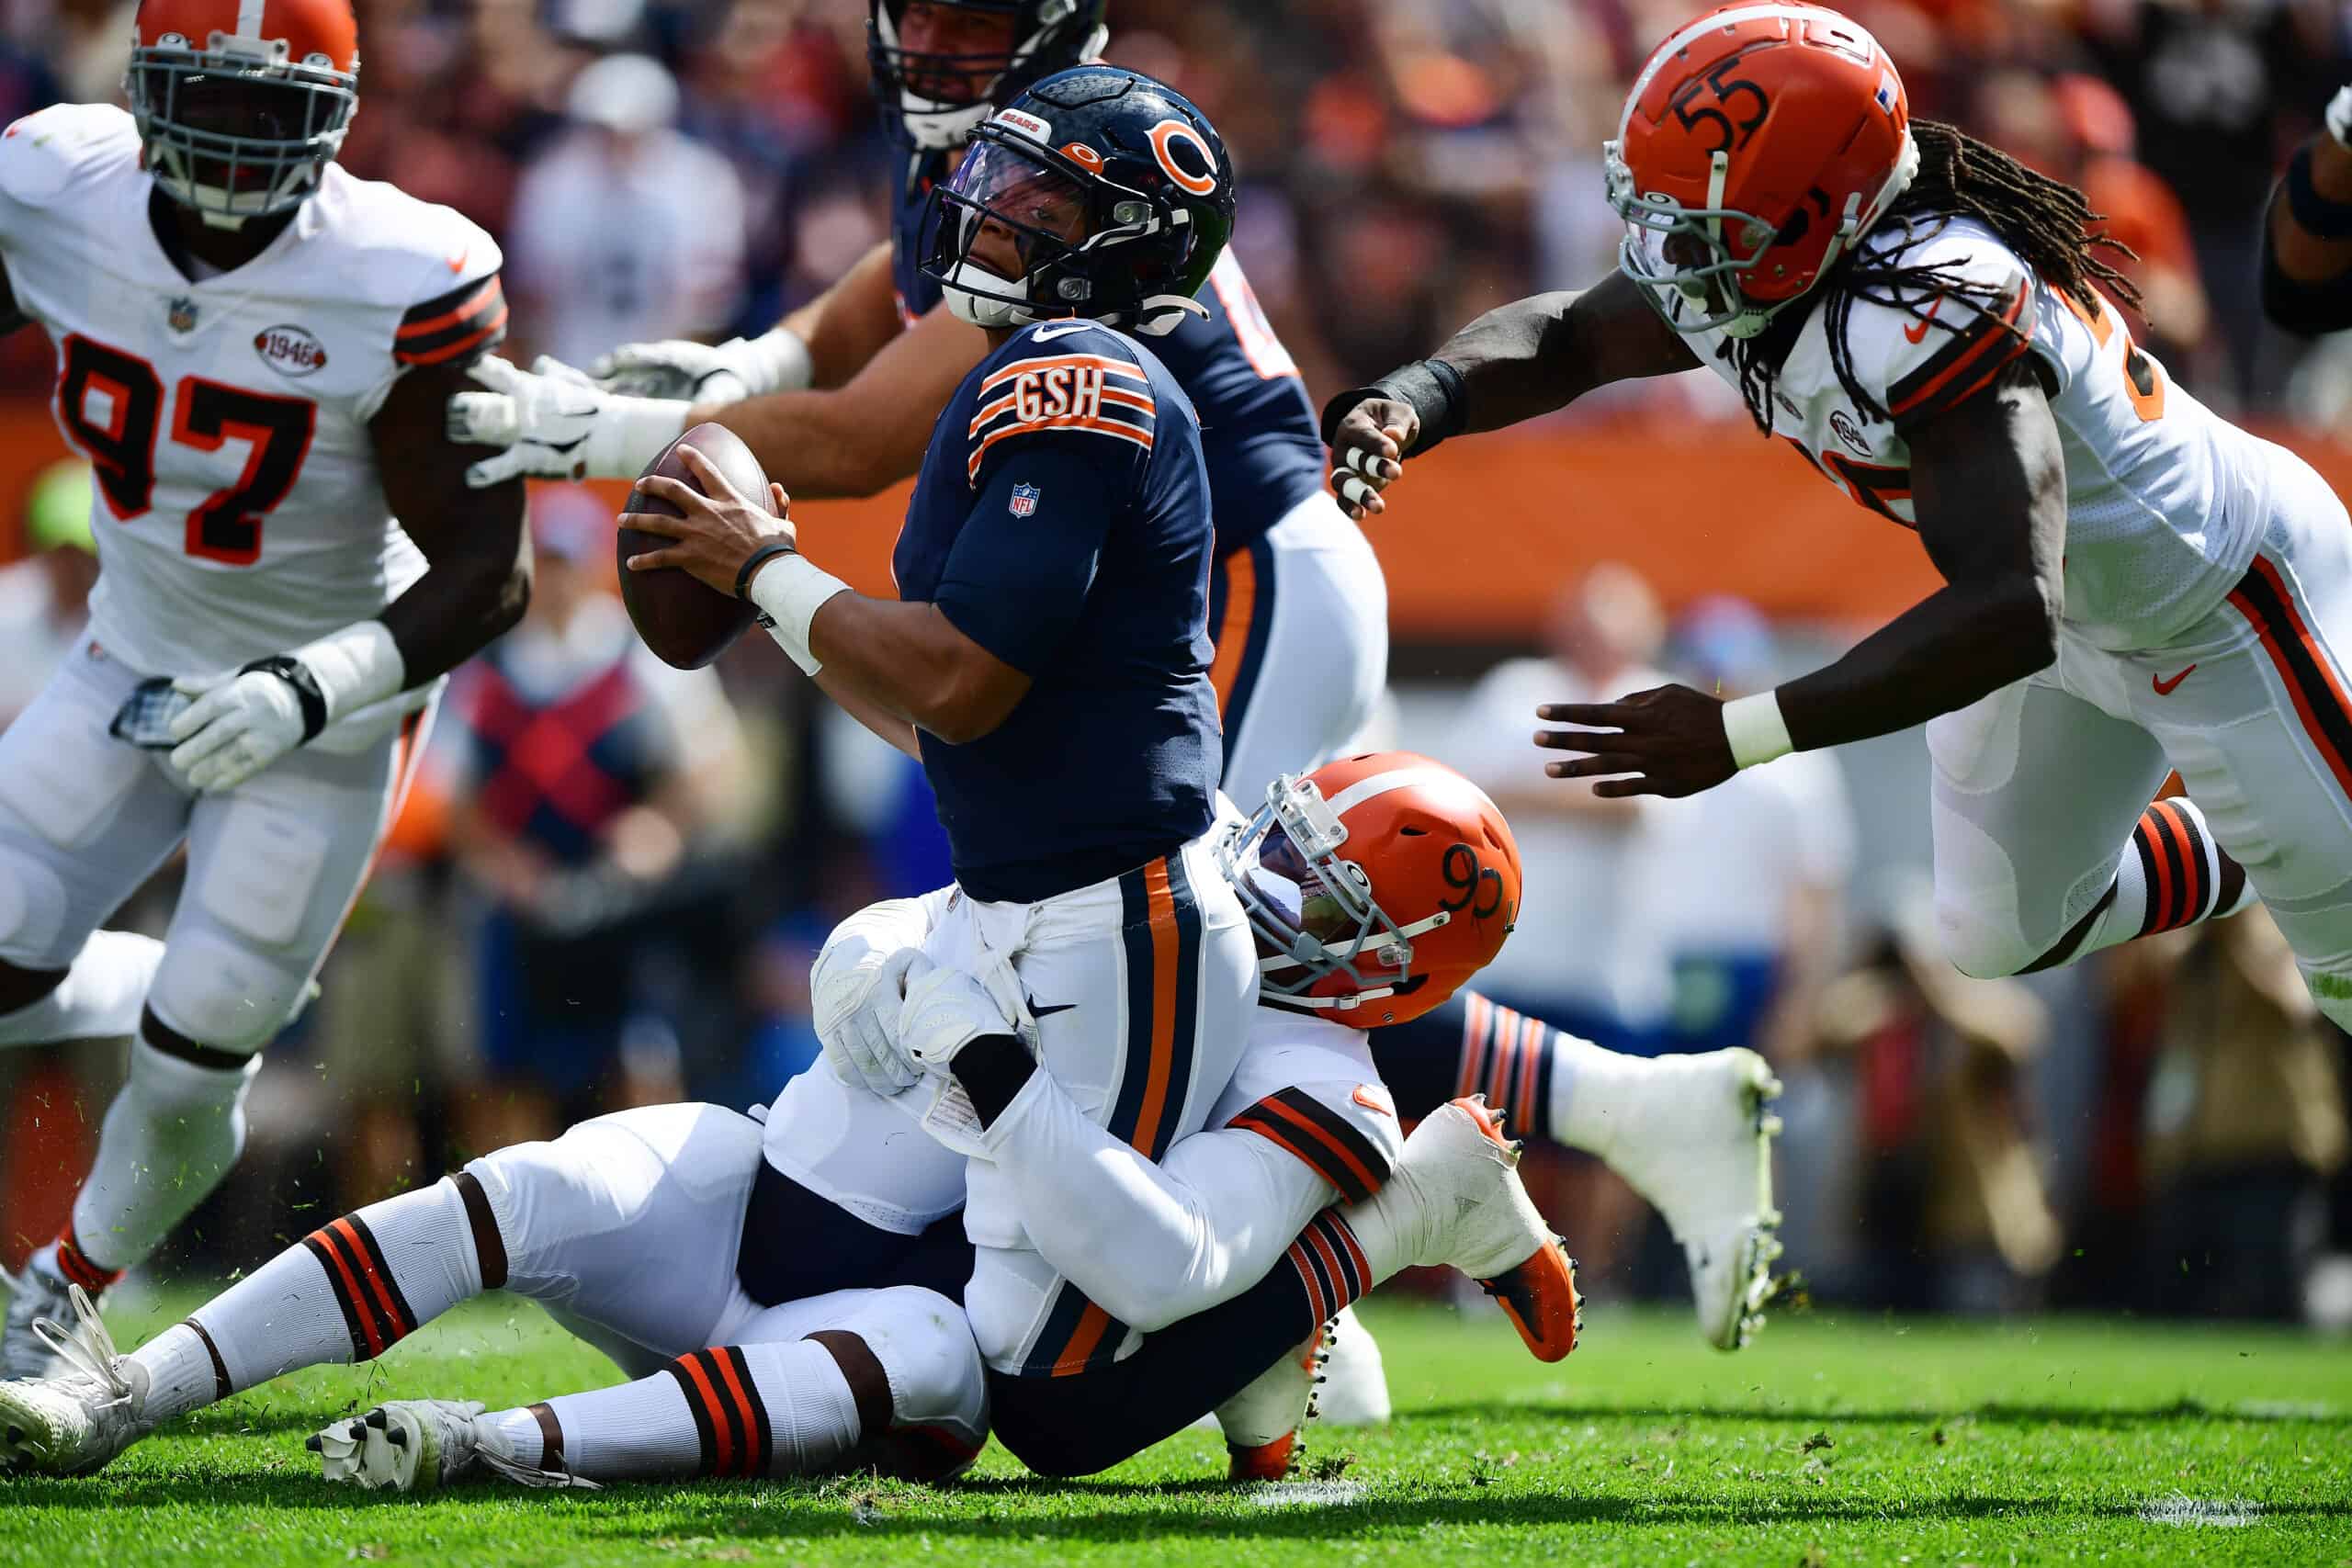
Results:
x,y
1481,533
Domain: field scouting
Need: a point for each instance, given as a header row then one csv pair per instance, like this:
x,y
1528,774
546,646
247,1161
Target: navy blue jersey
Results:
x,y
1062,521
1257,429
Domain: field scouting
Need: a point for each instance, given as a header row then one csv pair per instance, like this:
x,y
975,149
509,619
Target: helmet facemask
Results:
x,y
1314,913
1072,228
934,100
236,129
1692,262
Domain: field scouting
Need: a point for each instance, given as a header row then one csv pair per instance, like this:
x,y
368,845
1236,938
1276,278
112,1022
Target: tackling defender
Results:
x,y
645,1234
835,401
254,350
2133,584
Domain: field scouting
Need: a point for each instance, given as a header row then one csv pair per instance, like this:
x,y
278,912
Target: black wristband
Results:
x,y
1430,388
2313,213
297,674
753,562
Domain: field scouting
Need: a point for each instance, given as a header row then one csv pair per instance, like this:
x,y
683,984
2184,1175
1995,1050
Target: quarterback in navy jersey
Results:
x,y
836,399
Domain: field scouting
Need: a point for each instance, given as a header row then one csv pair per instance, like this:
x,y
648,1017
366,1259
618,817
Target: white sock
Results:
x,y
170,1135
100,997
348,1291
1589,1091
748,1411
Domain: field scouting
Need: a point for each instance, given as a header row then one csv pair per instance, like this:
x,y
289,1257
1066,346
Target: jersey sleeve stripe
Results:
x,y
464,321
1067,422
1961,367
1074,361
1146,411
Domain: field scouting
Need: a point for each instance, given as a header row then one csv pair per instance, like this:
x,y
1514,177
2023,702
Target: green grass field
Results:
x,y
1834,1440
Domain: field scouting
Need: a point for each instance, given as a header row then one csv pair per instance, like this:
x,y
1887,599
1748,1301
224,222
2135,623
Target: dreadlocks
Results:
x,y
2044,222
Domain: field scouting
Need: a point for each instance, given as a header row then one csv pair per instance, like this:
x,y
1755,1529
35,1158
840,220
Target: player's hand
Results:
x,y
238,724
1670,739
721,529
555,422
674,368
1368,454
945,1011
855,992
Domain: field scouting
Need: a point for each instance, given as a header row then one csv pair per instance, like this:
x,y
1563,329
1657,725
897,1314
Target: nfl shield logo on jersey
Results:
x,y
1025,501
180,314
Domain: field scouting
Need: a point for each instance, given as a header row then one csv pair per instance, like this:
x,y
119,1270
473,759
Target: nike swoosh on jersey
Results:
x,y
458,262
2163,687
1058,329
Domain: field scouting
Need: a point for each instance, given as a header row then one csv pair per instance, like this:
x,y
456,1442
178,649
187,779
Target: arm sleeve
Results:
x,y
2306,309
1017,579
1943,347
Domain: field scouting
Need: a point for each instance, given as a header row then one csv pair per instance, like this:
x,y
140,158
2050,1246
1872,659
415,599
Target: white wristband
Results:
x,y
629,433
776,361
1756,730
789,590
357,666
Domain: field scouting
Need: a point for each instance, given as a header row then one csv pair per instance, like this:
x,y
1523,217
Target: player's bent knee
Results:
x,y
1979,948
32,926
225,998
937,1383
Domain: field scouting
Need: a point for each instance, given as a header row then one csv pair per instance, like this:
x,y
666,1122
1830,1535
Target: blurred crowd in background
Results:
x,y
612,876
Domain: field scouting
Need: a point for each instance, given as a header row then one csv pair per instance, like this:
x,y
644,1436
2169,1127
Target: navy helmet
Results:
x,y
939,71
1117,194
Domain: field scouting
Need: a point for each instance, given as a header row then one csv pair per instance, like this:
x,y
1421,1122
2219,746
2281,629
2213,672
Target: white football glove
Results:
x,y
945,1011
701,373
555,422
856,991
238,724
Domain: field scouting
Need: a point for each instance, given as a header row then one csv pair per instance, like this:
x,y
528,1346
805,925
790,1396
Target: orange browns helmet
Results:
x,y
1377,884
1757,145
241,103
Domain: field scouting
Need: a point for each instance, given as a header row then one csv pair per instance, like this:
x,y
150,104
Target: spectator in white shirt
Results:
x,y
624,230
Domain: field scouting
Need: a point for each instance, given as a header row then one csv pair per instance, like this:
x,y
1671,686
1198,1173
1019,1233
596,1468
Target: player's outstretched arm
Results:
x,y
2307,234
823,343
1512,364
866,435
1989,485
478,581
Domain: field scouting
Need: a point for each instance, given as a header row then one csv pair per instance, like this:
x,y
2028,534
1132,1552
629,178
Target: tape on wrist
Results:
x,y
778,361
354,666
789,591
1757,731
2313,213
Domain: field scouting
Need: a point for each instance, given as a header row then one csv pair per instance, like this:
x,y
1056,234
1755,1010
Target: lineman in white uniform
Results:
x,y
254,348
2133,584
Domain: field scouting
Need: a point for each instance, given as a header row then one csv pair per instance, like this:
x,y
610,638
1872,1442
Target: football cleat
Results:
x,y
1455,1192
1354,1386
73,1423
1696,1142
422,1445
35,1293
1262,1423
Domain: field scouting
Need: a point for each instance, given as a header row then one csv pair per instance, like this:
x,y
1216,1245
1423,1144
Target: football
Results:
x,y
687,623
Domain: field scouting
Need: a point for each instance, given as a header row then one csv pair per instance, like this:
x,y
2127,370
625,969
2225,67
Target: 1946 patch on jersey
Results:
x,y
290,350
1025,501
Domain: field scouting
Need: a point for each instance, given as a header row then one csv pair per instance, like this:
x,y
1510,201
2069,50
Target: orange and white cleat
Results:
x,y
1455,1192
1262,1423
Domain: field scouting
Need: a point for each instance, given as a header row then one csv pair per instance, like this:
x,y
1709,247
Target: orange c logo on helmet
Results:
x,y
1085,157
1164,137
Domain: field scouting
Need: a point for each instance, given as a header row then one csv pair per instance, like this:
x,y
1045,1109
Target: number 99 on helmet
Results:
x,y
1376,886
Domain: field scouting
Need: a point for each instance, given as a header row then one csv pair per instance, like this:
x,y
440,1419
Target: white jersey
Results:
x,y
239,510
2166,501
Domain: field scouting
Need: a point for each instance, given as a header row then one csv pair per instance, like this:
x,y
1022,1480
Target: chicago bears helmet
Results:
x,y
241,103
939,66
1757,145
1377,886
1114,191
